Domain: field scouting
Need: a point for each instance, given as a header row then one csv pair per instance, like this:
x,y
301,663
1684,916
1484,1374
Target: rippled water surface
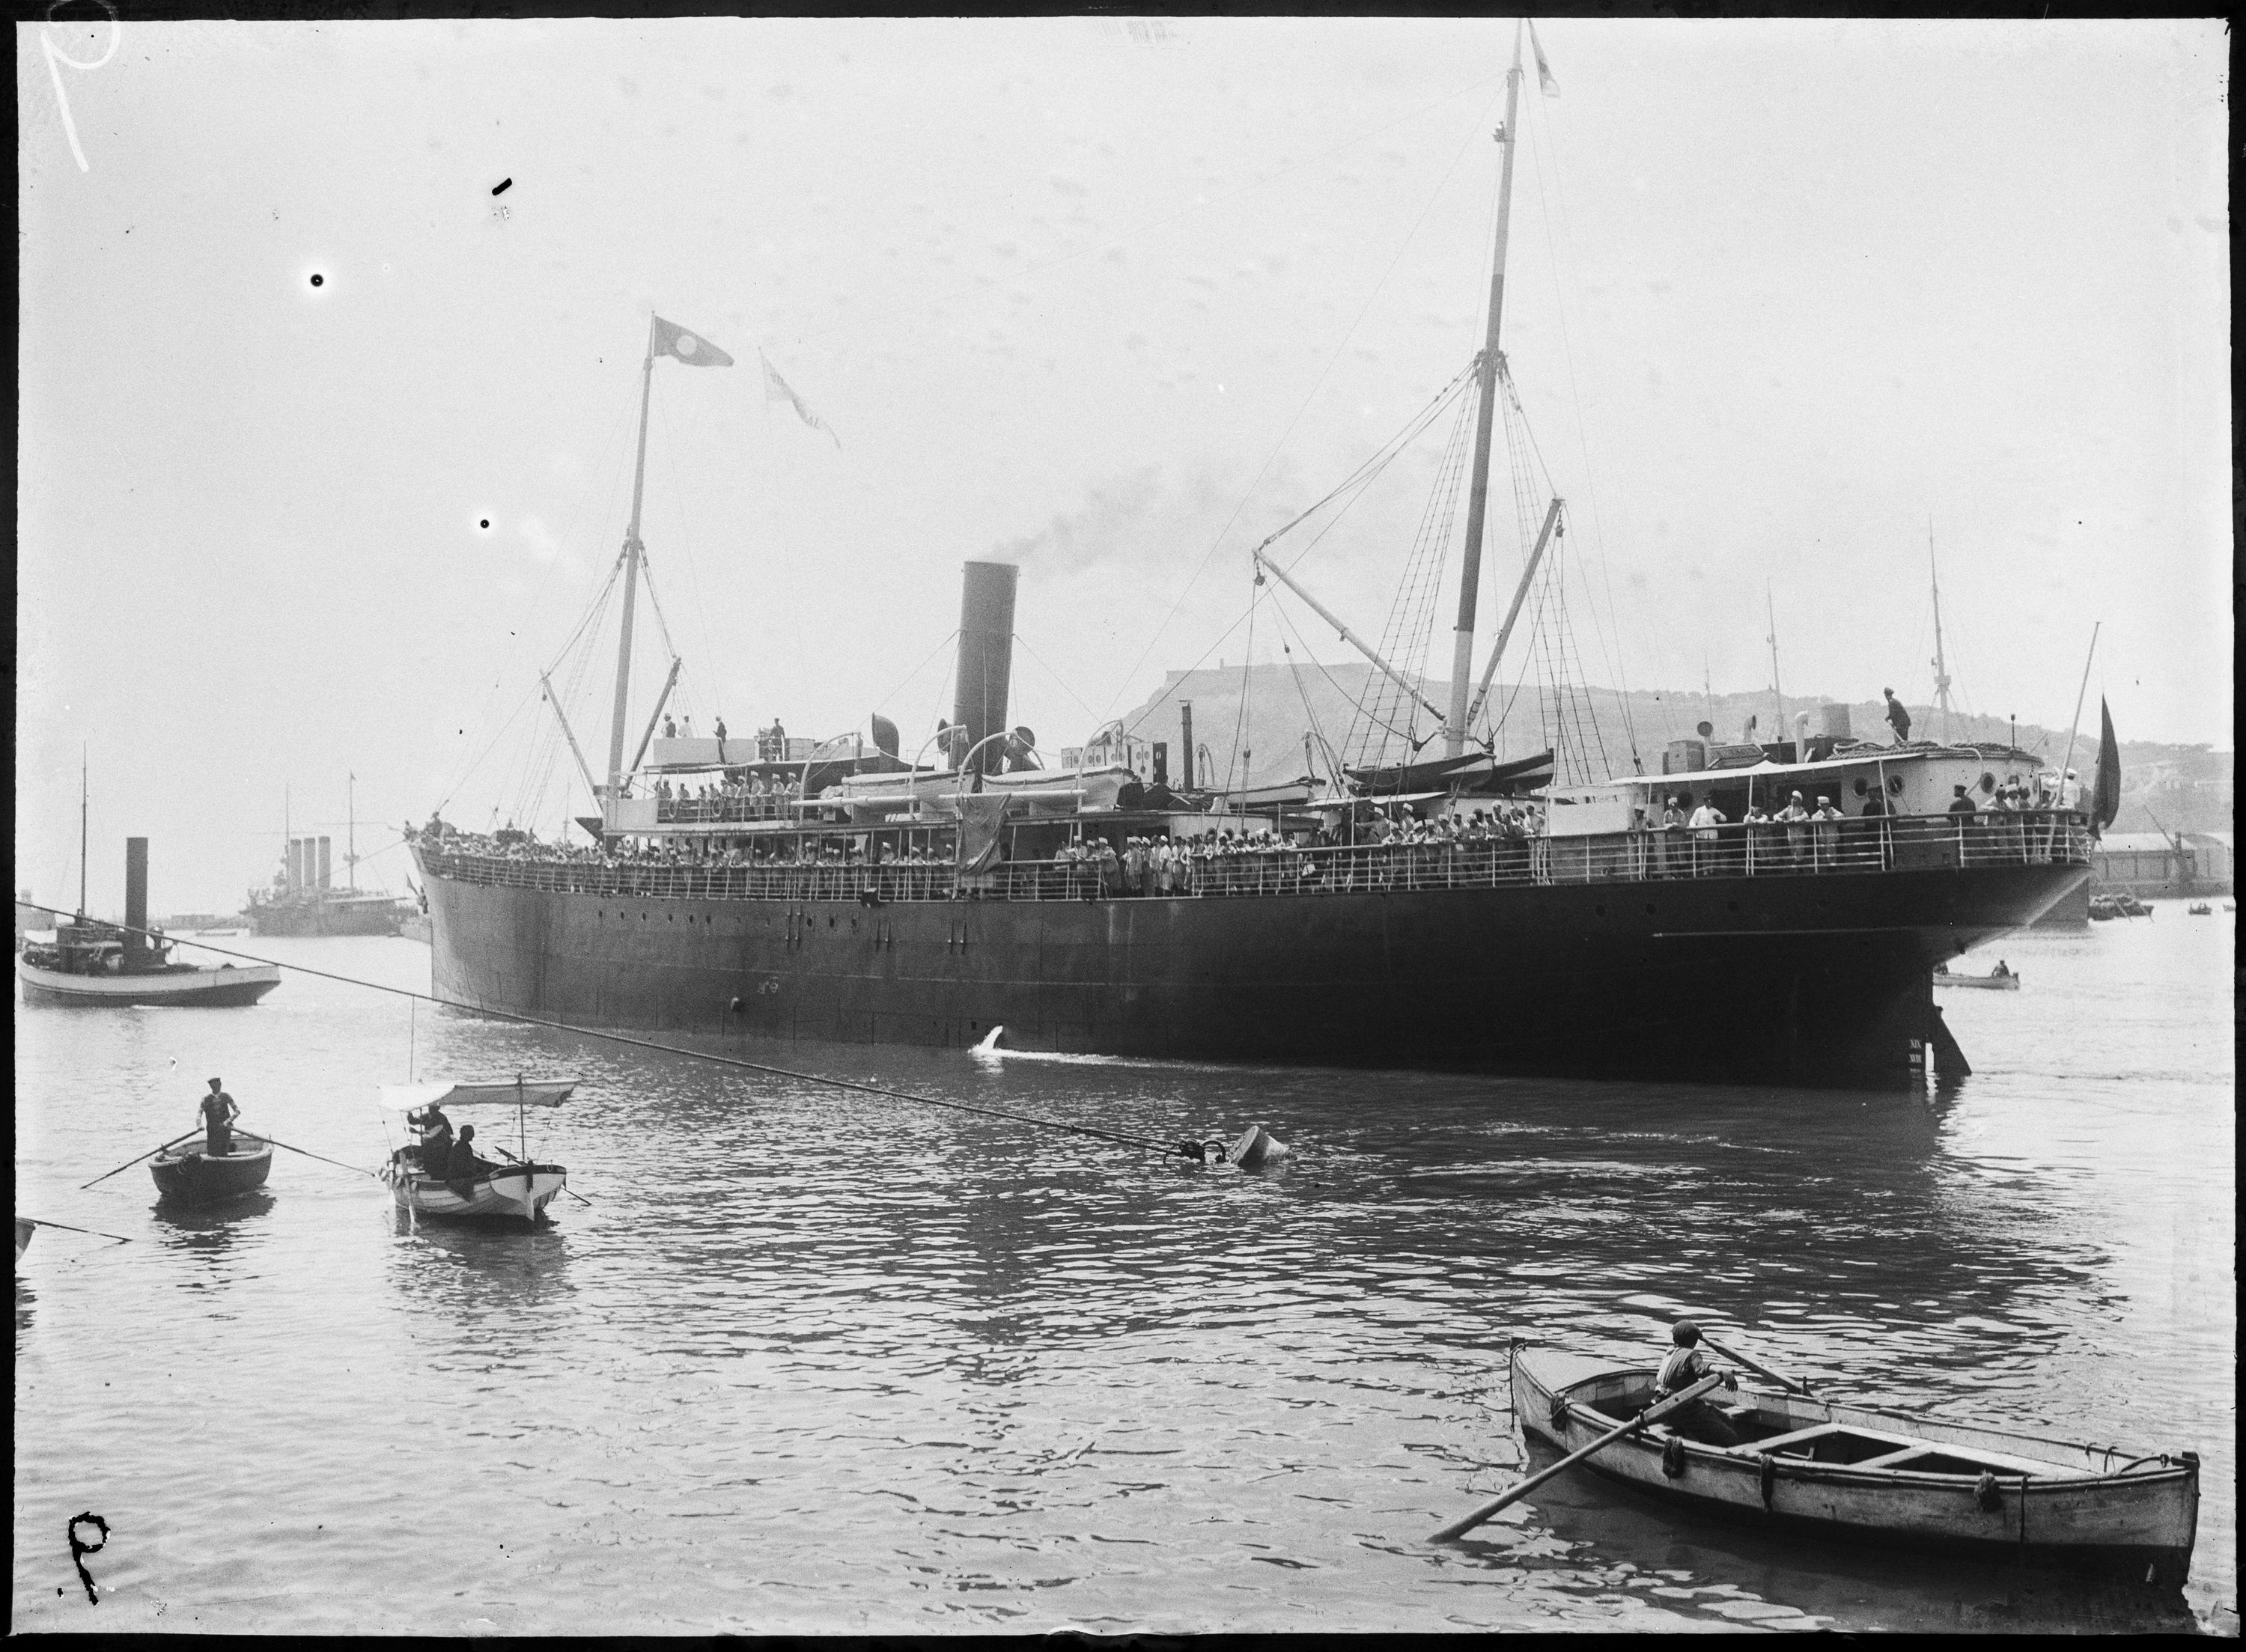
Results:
x,y
814,1361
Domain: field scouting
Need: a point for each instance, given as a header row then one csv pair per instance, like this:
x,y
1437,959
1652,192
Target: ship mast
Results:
x,y
631,581
81,828
1454,726
1941,670
1776,695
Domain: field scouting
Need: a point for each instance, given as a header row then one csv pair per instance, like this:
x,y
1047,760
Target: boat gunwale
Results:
x,y
2056,1479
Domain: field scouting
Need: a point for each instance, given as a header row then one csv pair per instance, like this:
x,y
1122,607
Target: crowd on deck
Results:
x,y
1505,842
753,798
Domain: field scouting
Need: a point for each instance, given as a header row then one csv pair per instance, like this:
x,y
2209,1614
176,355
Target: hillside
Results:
x,y
2189,788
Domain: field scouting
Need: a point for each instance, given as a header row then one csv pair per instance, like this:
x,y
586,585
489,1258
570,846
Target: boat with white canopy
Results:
x,y
521,1187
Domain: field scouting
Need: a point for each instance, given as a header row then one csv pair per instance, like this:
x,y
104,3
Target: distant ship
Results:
x,y
842,894
303,901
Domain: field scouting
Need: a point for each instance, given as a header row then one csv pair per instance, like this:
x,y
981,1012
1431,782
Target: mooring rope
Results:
x,y
1193,1150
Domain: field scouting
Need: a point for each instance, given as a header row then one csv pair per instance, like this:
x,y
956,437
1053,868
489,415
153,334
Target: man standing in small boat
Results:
x,y
436,1140
1685,1364
219,1114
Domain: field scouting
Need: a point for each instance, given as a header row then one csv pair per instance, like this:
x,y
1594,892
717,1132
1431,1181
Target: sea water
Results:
x,y
808,1360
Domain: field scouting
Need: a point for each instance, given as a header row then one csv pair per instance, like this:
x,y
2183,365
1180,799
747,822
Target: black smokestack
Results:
x,y
136,895
1185,740
986,655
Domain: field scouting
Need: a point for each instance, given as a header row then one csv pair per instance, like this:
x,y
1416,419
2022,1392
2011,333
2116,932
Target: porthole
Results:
x,y
1862,785
1895,785
1648,908
1600,909
1988,781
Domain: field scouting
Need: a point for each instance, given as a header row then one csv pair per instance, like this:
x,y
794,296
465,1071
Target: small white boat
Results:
x,y
520,1188
1862,1475
1996,981
513,1190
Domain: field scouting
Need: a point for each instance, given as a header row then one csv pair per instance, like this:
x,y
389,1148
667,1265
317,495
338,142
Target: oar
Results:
x,y
129,1163
67,1228
338,1163
566,1187
1652,1414
1760,1369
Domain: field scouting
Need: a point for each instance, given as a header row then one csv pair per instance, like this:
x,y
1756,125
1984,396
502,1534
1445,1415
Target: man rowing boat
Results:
x,y
219,1113
1685,1364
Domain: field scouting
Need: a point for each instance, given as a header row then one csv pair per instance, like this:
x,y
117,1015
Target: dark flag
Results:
x,y
668,339
2106,800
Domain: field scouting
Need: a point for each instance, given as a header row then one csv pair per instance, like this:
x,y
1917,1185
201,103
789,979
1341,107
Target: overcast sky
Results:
x,y
1115,300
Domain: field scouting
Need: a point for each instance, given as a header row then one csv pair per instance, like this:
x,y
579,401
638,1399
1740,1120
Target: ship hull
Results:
x,y
323,918
1783,981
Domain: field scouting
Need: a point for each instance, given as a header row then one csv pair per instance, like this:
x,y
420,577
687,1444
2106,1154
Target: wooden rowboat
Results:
x,y
1869,1476
23,1232
2006,982
186,1175
520,1191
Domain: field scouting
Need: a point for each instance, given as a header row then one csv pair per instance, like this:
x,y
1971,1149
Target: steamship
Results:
x,y
836,892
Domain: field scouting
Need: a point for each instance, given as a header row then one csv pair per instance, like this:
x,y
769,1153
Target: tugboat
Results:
x,y
86,962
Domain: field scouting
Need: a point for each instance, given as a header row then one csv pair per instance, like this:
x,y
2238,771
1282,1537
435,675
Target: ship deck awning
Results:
x,y
1769,770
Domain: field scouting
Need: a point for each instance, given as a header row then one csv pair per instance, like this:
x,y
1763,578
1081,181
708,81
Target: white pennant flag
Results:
x,y
1544,81
776,389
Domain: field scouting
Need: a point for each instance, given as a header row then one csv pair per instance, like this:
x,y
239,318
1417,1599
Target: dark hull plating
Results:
x,y
1812,980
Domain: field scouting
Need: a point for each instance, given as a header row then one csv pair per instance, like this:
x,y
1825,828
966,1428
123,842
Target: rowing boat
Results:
x,y
187,1176
2005,982
23,1232
1862,1475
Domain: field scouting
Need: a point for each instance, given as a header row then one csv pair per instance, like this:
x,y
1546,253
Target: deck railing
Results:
x,y
1857,847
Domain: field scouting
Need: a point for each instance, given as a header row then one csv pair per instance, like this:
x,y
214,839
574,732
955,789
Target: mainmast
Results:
x,y
1941,670
1454,726
632,582
81,828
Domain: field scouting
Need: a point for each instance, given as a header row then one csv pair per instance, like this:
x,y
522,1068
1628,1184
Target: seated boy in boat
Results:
x,y
1685,1364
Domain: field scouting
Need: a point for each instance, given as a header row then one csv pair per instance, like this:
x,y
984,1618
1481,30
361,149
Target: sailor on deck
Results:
x,y
1685,1364
1898,719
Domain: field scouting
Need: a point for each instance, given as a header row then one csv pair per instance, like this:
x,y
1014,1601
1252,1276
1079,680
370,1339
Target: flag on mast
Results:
x,y
776,389
670,339
1544,81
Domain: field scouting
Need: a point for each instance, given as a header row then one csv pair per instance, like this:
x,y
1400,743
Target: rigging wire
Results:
x,y
685,547
1066,687
1409,629
1247,685
1616,654
1190,1150
1315,385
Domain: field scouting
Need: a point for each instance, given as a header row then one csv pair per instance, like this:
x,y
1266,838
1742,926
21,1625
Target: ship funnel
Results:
x,y
136,896
986,655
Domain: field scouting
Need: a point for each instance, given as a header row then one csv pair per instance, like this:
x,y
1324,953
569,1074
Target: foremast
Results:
x,y
632,548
